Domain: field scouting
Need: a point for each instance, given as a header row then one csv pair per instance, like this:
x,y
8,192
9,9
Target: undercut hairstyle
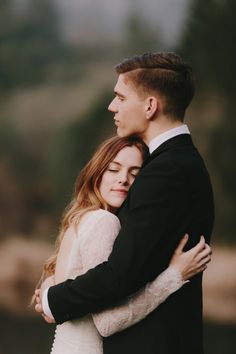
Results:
x,y
165,74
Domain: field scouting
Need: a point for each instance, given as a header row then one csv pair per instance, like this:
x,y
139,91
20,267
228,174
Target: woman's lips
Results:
x,y
120,191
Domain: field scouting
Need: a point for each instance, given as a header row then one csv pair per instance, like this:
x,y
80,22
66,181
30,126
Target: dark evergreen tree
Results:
x,y
29,43
209,44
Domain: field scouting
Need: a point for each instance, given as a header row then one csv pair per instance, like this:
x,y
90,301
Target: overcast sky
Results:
x,y
81,18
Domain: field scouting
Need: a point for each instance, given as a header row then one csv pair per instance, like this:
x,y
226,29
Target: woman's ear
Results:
x,y
152,107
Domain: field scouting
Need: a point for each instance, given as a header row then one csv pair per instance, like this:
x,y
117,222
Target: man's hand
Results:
x,y
38,298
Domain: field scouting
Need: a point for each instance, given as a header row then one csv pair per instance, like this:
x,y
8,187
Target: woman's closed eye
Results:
x,y
134,173
112,170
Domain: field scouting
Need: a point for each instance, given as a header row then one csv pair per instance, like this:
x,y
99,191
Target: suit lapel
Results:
x,y
179,141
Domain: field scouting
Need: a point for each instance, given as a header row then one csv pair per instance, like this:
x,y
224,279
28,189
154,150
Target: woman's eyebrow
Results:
x,y
117,163
135,167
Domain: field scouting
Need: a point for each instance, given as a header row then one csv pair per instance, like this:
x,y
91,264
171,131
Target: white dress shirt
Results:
x,y
45,305
153,145
171,133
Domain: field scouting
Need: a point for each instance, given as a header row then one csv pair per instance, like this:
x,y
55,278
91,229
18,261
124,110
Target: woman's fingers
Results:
x,y
202,268
182,244
208,248
204,253
200,245
205,260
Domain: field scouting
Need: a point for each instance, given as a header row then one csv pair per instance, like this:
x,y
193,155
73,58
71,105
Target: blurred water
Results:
x,y
32,335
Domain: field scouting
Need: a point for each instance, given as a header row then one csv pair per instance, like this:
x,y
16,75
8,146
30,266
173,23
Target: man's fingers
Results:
x,y
37,300
182,244
48,319
37,292
38,308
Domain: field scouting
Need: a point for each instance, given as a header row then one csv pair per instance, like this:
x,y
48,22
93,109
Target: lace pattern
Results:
x,y
92,245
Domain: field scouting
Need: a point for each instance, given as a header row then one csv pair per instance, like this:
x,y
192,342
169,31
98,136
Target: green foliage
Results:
x,y
20,176
140,37
209,44
73,147
29,43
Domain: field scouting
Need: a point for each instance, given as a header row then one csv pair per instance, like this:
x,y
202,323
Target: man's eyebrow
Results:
x,y
118,93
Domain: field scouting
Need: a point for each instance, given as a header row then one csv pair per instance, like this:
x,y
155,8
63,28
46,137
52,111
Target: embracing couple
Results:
x,y
126,276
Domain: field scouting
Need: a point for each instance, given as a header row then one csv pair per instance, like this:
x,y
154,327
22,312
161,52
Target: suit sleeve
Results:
x,y
141,250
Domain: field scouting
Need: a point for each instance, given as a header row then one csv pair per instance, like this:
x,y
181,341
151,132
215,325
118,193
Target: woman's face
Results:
x,y
119,176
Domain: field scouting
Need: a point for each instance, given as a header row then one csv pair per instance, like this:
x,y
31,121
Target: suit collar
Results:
x,y
179,141
171,133
182,140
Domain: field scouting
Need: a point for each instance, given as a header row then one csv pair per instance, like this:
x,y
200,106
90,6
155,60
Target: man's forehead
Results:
x,y
123,82
125,85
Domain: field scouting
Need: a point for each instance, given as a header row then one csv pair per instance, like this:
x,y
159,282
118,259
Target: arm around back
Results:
x,y
139,250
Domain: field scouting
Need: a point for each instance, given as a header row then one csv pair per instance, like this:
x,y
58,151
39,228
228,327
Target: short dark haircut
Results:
x,y
167,74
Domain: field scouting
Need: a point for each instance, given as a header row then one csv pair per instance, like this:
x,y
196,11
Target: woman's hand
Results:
x,y
193,261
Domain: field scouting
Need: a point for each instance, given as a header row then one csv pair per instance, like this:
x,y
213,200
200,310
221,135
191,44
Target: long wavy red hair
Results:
x,y
87,195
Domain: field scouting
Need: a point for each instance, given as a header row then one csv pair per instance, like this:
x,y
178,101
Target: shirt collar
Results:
x,y
171,133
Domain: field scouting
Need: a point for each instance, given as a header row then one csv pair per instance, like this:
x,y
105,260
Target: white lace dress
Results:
x,y
84,248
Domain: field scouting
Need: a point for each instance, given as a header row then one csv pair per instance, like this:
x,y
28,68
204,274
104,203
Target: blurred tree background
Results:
x,y
53,106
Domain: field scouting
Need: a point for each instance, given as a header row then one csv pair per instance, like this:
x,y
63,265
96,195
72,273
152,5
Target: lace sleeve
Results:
x,y
95,248
98,239
139,305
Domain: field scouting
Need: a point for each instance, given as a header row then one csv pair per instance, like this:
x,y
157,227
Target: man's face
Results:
x,y
128,107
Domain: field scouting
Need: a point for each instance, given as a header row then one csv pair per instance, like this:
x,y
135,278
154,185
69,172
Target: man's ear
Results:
x,y
152,107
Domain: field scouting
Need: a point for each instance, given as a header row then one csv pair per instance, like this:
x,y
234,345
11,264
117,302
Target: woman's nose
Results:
x,y
123,178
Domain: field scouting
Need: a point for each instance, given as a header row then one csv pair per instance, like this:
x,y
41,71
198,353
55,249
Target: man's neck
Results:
x,y
157,128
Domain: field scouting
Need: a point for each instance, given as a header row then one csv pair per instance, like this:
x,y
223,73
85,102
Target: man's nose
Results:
x,y
112,107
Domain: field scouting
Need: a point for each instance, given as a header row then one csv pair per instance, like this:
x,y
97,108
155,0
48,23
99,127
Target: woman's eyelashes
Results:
x,y
132,173
112,170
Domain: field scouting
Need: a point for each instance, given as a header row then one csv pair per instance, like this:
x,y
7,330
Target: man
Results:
x,y
172,195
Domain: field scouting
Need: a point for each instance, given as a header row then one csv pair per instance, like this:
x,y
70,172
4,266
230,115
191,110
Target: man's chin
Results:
x,y
122,134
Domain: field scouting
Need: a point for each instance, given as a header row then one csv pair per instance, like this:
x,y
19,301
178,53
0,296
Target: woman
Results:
x,y
89,228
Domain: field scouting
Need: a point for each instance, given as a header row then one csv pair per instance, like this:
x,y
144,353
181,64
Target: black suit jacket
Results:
x,y
171,195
